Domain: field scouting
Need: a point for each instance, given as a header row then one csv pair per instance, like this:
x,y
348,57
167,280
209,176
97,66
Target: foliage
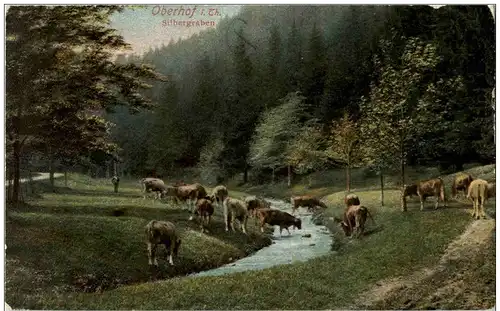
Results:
x,y
212,163
344,141
276,130
306,152
63,53
388,113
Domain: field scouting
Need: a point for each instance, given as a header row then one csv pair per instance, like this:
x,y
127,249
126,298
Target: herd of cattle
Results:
x,y
202,205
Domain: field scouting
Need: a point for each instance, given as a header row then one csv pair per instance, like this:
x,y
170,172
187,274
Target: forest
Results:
x,y
274,92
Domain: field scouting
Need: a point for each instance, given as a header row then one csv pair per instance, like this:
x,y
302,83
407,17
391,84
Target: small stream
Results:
x,y
284,250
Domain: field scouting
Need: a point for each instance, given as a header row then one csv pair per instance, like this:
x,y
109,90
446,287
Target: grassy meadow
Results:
x,y
72,241
66,250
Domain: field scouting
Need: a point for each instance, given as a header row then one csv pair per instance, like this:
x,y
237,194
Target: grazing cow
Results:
x,y
354,220
235,209
478,194
254,203
204,210
162,232
427,188
153,184
219,194
351,199
461,182
187,194
306,201
279,218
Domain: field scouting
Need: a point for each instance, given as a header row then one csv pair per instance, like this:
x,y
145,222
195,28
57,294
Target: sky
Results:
x,y
155,25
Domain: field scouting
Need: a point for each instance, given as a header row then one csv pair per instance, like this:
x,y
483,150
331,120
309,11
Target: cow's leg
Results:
x,y
422,199
226,220
244,224
474,206
288,231
152,254
233,219
281,229
437,201
193,205
483,214
170,250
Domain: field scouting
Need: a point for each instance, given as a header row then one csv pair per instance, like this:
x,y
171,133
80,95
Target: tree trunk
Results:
x,y
403,199
9,187
381,189
115,169
348,177
17,172
30,181
107,170
51,168
245,174
289,176
272,176
348,172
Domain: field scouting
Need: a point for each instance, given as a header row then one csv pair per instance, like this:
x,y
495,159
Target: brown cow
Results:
x,y
162,232
306,201
354,220
254,203
235,209
351,199
461,182
187,194
204,210
427,188
279,218
478,194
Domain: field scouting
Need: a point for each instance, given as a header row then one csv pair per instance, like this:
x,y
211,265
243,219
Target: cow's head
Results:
x,y
343,225
409,190
346,228
298,223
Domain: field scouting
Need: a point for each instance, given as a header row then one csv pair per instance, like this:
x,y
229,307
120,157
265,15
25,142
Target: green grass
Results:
x,y
70,241
396,245
406,242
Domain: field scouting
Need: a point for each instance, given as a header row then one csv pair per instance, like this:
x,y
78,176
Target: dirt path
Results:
x,y
463,278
